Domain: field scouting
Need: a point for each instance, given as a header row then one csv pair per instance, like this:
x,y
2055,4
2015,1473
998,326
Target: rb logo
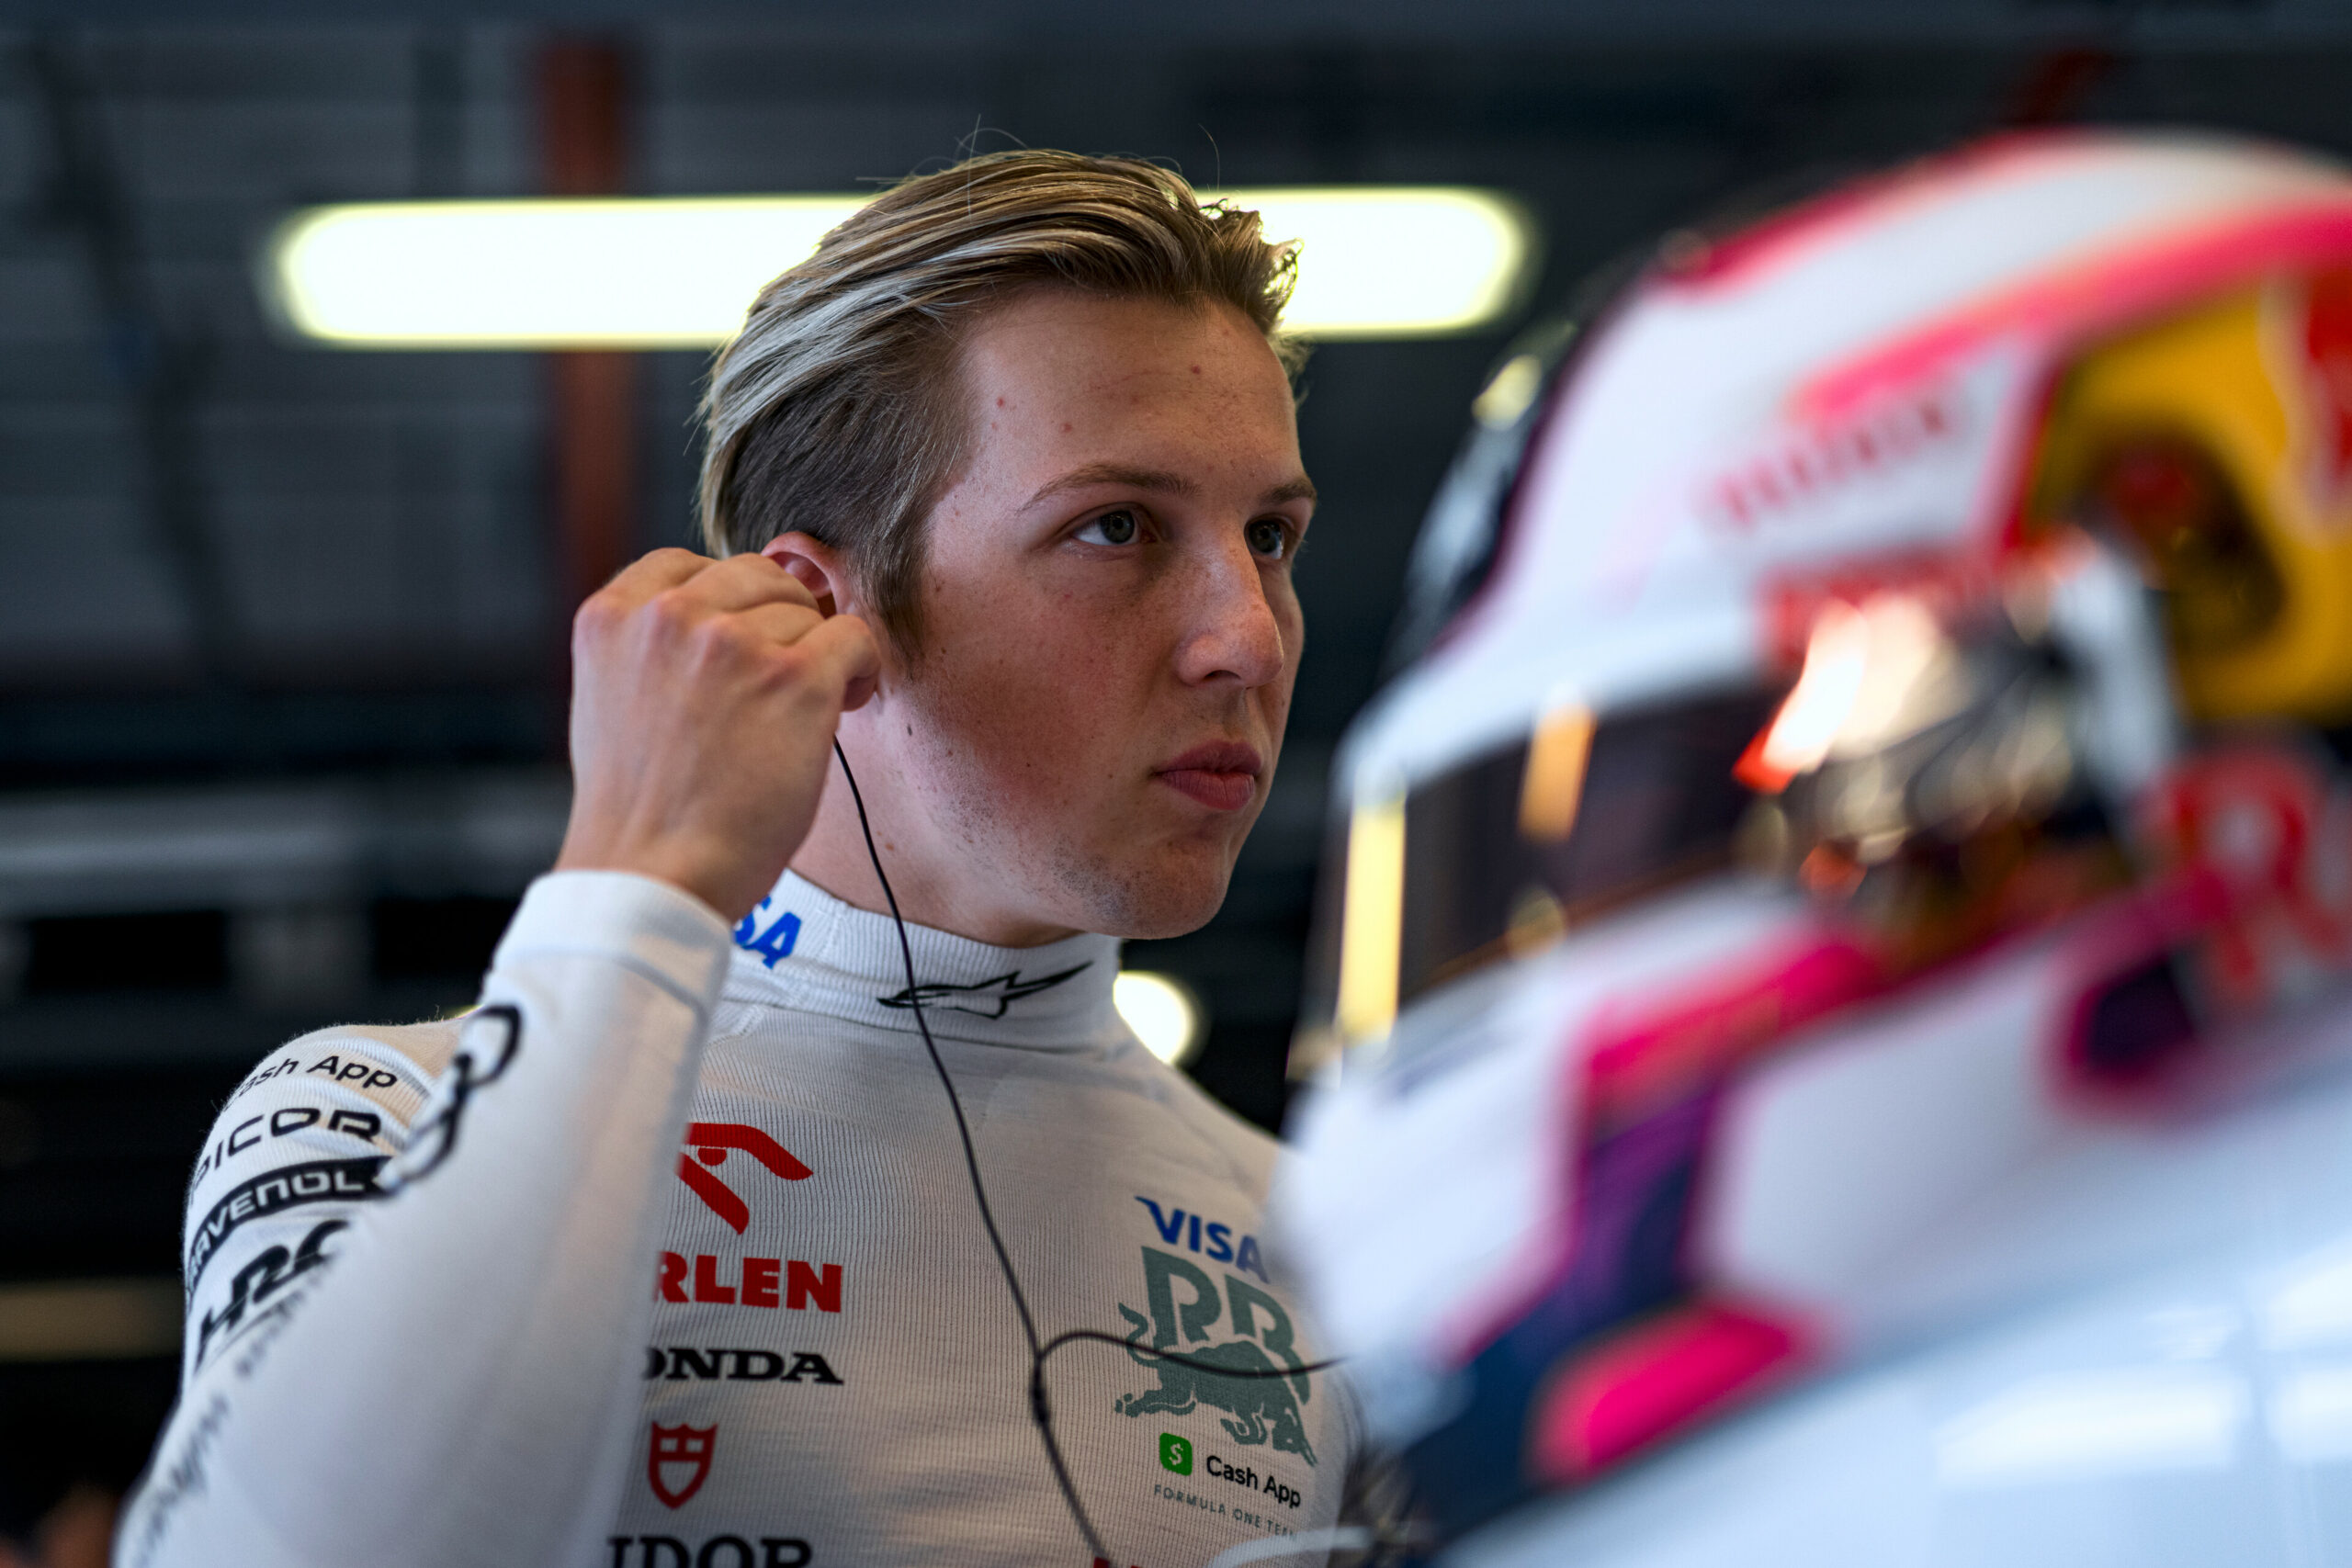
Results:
x,y
1175,1454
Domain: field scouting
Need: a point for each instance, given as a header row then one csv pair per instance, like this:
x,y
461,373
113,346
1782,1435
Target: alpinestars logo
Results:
x,y
1257,1409
985,999
710,1142
678,1462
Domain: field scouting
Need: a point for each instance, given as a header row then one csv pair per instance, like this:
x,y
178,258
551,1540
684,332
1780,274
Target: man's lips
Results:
x,y
1221,776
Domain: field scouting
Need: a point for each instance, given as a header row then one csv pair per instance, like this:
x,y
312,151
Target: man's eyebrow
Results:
x,y
1115,474
1160,479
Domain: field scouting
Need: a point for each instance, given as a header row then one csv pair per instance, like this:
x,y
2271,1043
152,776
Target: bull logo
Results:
x,y
679,1461
1258,1410
710,1141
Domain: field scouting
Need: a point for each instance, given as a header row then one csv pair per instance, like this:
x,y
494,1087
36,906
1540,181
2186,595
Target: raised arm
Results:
x,y
418,1260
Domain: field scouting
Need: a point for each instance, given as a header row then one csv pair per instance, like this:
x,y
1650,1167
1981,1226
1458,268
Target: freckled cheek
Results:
x,y
1040,727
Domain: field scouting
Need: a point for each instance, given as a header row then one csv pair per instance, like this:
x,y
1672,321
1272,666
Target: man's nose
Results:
x,y
1232,633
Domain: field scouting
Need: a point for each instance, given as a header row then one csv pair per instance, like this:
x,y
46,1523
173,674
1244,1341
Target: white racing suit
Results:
x,y
666,1257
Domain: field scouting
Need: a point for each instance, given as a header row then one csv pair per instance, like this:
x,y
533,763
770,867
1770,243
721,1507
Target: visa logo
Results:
x,y
775,940
1217,1243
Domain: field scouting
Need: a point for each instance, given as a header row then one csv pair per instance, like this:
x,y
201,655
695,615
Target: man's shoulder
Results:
x,y
358,1085
305,1136
376,1058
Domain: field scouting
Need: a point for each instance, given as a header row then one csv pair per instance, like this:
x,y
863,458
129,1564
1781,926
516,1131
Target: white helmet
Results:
x,y
1868,736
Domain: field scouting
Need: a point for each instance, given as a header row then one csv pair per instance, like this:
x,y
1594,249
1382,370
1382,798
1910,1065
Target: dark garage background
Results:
x,y
280,627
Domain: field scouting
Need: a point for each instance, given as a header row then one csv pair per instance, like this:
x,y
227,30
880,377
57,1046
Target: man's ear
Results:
x,y
818,567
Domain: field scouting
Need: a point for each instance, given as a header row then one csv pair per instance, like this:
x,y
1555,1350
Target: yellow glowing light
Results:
x,y
1553,787
679,273
1162,1012
1396,260
1372,922
1507,395
614,273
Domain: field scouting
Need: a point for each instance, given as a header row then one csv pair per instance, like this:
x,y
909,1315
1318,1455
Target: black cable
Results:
x,y
1073,1336
1040,1409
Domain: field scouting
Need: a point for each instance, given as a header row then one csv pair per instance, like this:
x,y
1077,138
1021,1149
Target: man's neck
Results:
x,y
930,890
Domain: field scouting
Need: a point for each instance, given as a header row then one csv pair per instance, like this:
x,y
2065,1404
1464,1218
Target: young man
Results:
x,y
668,1256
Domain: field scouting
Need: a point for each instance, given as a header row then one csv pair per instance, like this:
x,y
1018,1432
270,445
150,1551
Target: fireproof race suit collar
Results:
x,y
804,949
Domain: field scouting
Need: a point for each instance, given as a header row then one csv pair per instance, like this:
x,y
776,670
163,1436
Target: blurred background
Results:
x,y
281,624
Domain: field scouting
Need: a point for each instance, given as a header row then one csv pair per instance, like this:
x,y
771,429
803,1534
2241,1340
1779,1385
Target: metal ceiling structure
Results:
x,y
1705,23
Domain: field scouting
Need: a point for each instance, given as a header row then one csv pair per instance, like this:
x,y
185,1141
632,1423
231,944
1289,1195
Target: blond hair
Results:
x,y
837,410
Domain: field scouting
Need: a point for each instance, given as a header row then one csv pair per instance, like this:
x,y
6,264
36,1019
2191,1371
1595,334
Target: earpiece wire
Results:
x,y
1041,1412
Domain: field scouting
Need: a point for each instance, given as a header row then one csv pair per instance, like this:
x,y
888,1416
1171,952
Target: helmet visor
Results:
x,y
1923,786
1512,848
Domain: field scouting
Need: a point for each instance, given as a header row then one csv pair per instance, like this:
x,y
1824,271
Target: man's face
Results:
x,y
1110,633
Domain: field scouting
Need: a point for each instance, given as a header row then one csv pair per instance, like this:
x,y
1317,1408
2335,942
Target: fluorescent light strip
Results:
x,y
1375,261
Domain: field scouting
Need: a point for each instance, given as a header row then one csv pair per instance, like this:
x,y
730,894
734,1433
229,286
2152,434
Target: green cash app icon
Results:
x,y
1175,1454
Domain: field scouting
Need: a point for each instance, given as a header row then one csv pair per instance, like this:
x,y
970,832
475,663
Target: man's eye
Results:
x,y
1268,537
1110,528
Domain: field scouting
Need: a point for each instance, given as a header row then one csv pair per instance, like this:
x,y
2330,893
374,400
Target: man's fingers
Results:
x,y
759,596
747,581
845,646
840,648
779,623
656,573
738,582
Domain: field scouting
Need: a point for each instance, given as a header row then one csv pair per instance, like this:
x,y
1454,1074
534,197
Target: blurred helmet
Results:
x,y
1868,720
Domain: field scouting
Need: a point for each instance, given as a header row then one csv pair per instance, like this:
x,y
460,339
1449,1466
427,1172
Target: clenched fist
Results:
x,y
704,695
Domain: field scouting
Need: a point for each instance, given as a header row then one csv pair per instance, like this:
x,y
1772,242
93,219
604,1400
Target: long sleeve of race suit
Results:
x,y
418,1260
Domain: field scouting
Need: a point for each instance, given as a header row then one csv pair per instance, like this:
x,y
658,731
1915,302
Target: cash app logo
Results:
x,y
1175,1454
